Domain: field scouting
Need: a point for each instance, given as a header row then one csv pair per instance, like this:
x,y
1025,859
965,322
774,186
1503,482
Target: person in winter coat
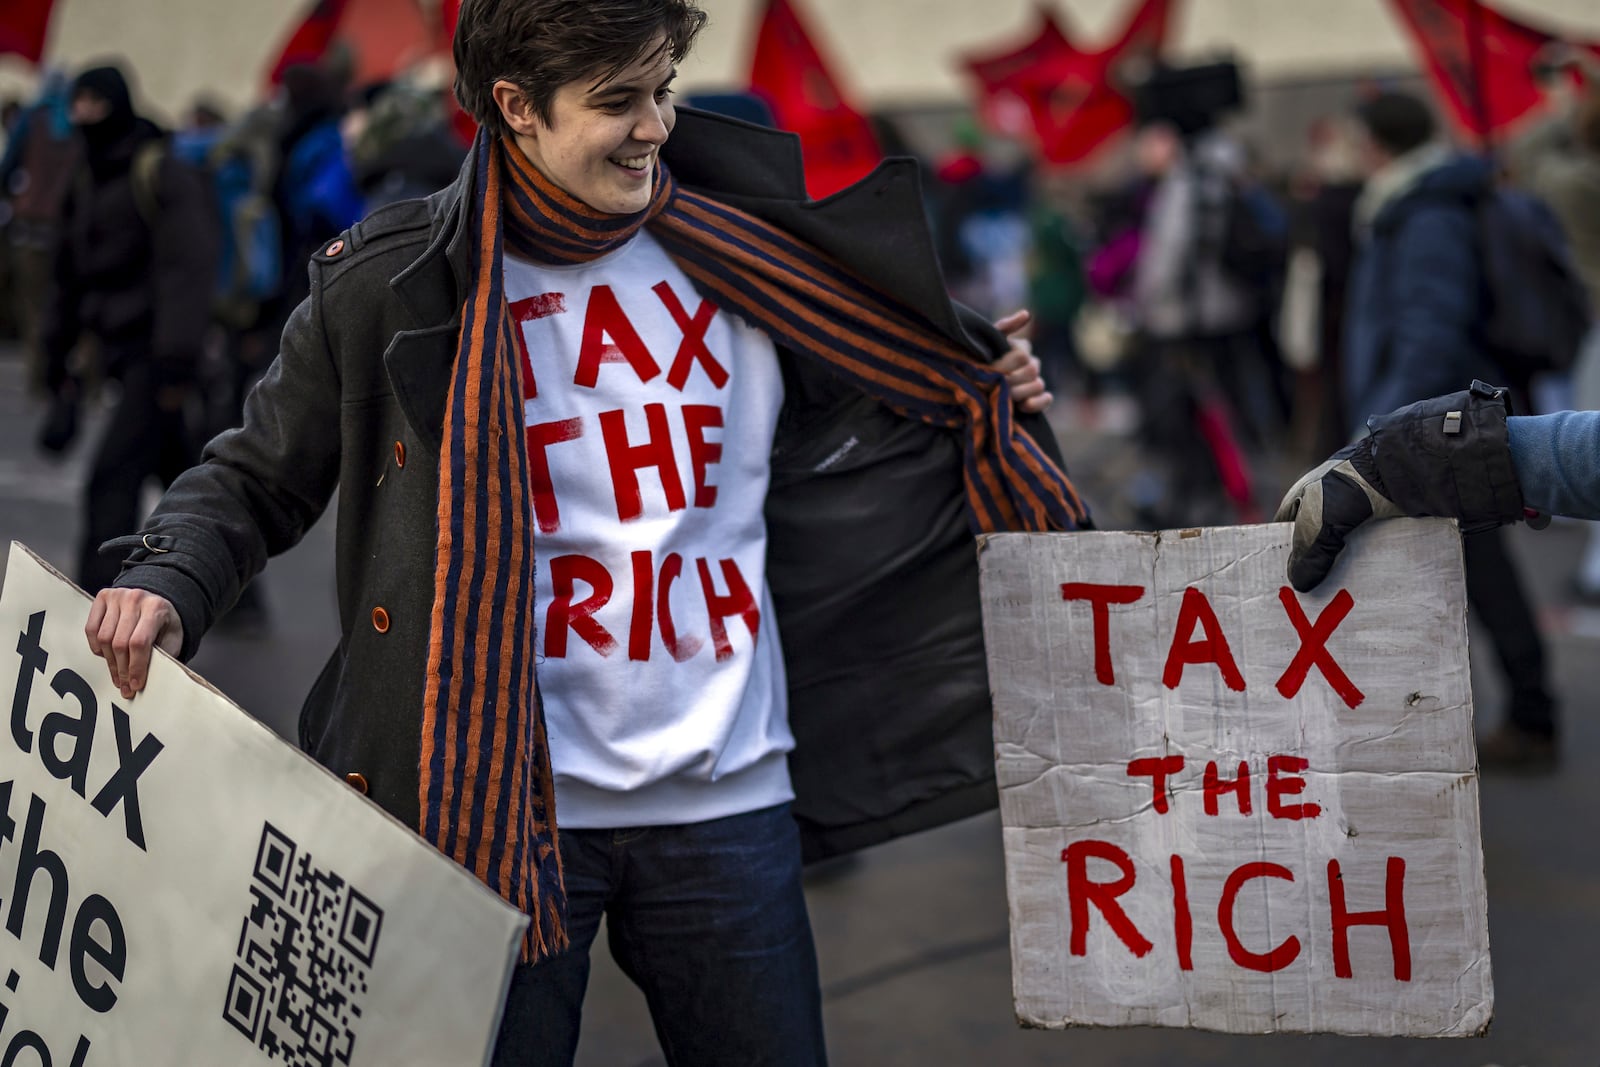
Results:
x,y
1413,330
314,189
42,153
1559,161
657,489
139,240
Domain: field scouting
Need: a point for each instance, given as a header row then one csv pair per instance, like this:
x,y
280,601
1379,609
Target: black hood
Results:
x,y
112,141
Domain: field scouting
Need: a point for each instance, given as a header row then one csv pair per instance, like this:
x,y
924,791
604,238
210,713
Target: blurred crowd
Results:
x,y
155,268
1240,323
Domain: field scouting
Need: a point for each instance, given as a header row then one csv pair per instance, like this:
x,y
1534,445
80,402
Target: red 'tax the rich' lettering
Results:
x,y
1100,598
1216,785
1314,646
540,437
563,615
1212,648
679,648
1392,916
739,601
1081,892
1278,958
534,307
1182,921
606,319
693,346
1157,768
627,460
1283,780
697,419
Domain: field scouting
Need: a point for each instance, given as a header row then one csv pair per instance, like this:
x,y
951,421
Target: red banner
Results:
x,y
1003,77
23,29
385,38
788,72
1075,100
449,13
311,39
1480,62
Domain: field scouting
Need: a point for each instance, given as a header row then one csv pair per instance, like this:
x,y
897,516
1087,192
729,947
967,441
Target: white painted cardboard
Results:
x,y
421,948
1393,776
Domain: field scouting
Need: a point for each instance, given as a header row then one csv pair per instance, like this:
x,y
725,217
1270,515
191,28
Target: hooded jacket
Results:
x,y
871,563
129,279
1416,300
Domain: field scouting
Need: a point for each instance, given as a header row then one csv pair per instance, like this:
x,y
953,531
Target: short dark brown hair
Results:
x,y
541,45
1397,121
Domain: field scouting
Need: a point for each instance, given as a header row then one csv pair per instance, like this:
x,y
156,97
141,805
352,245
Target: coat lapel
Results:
x,y
877,225
419,361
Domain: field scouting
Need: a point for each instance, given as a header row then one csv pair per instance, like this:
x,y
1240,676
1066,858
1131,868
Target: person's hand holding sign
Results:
x,y
124,626
1021,366
1446,457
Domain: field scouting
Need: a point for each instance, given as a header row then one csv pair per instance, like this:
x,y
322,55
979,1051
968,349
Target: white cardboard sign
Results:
x,y
1230,806
181,887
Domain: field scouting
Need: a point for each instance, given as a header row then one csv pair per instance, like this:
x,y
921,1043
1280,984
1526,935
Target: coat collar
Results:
x,y
876,226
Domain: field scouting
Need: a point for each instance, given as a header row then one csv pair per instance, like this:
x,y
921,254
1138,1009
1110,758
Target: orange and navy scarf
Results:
x,y
486,792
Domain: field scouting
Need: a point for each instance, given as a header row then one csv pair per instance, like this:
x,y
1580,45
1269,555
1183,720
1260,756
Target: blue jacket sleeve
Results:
x,y
1435,297
1557,460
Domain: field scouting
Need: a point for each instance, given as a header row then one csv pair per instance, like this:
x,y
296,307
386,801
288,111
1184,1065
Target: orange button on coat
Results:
x,y
335,248
357,781
399,453
380,620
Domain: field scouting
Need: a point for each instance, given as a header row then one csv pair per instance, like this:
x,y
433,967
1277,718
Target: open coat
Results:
x,y
871,560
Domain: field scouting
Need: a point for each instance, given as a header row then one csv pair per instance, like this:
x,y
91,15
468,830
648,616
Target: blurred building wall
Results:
x,y
890,52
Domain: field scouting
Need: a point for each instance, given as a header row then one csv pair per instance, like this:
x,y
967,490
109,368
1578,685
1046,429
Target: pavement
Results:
x,y
912,936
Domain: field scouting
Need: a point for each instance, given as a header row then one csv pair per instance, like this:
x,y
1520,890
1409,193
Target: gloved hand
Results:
x,y
1326,505
1447,456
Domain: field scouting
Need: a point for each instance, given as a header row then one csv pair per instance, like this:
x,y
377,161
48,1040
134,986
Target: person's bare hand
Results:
x,y
124,626
1021,367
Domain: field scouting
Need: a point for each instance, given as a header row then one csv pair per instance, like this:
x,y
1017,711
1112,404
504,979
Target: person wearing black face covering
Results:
x,y
134,268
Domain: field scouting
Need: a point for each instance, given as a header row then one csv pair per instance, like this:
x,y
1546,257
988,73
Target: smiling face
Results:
x,y
602,140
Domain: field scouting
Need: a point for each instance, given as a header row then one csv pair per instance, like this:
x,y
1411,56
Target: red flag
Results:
x,y
787,71
1085,99
310,39
1003,77
385,37
1480,62
1075,99
23,29
449,14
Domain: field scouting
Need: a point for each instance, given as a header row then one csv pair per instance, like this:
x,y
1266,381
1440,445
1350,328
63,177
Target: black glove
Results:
x,y
1447,457
60,424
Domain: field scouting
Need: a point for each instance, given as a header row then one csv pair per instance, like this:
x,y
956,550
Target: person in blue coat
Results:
x,y
1414,328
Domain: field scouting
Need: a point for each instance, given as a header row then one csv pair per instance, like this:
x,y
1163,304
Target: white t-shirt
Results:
x,y
650,416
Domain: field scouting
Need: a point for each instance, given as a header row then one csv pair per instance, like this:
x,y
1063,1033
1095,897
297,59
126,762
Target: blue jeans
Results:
x,y
708,920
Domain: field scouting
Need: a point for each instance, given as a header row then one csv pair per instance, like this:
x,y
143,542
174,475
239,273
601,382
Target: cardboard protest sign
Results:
x,y
180,887
1234,807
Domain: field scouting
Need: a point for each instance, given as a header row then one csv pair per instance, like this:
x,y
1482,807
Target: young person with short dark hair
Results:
x,y
658,485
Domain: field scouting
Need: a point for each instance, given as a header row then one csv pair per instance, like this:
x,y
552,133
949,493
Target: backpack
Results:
x,y
1255,238
250,266
1538,308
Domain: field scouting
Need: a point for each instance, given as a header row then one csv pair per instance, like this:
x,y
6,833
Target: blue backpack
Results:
x,y
1538,309
250,267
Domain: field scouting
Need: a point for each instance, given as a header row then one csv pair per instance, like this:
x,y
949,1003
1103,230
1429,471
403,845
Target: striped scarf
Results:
x,y
486,792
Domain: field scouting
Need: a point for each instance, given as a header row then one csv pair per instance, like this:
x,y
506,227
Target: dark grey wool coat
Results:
x,y
871,562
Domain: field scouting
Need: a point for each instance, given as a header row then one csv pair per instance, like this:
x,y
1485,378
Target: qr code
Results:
x,y
304,958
